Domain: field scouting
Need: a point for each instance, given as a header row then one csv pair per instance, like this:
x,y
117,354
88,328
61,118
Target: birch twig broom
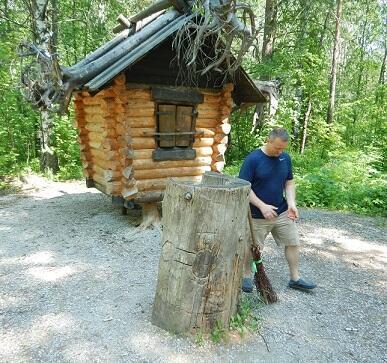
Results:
x,y
261,280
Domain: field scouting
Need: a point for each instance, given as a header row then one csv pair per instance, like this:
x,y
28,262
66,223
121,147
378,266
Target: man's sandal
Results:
x,y
247,285
300,284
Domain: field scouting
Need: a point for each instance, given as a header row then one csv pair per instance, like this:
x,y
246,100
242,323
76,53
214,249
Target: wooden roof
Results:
x,y
246,91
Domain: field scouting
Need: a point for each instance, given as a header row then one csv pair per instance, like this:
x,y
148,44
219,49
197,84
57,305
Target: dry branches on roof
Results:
x,y
226,27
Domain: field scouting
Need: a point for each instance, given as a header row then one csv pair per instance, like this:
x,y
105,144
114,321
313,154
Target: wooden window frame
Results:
x,y
175,152
177,96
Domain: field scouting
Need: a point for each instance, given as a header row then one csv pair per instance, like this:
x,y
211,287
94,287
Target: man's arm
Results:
x,y
290,191
267,210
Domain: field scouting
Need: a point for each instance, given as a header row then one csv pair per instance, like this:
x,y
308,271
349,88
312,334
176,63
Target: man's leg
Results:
x,y
292,254
285,234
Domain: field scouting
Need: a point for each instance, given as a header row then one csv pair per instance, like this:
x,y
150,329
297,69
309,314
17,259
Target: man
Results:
x,y
269,170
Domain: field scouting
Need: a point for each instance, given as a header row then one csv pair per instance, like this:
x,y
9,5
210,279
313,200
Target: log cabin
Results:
x,y
142,120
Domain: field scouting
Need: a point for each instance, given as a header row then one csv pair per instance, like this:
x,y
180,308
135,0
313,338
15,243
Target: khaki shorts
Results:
x,y
283,229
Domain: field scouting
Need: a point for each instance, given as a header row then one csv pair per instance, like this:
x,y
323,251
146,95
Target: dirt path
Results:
x,y
77,284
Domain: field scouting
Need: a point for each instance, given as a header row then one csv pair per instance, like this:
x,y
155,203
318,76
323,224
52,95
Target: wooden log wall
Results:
x,y
129,183
104,139
115,136
213,119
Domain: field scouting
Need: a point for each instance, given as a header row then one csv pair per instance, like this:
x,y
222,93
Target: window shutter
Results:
x,y
167,117
184,120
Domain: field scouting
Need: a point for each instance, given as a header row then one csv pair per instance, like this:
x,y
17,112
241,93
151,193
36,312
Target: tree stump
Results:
x,y
203,247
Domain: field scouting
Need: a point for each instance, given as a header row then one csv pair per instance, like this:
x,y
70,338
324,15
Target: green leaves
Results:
x,y
348,180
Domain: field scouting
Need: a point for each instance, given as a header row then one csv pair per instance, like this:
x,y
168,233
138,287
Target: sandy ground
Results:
x,y
78,280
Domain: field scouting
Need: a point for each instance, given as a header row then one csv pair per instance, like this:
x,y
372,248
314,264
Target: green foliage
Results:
x,y
218,333
245,321
67,148
82,27
18,122
199,338
348,180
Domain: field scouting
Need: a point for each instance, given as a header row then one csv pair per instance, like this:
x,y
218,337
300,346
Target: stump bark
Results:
x,y
203,247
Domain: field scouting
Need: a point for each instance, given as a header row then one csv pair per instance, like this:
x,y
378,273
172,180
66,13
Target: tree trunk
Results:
x,y
203,248
383,66
335,56
379,93
48,160
41,34
360,74
299,97
270,27
305,126
271,10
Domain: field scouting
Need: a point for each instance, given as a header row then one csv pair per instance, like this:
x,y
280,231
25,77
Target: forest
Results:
x,y
328,57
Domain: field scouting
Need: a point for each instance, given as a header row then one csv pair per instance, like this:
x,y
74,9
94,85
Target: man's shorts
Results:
x,y
283,229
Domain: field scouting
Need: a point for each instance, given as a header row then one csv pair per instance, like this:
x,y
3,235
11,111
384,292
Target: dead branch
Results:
x,y
230,29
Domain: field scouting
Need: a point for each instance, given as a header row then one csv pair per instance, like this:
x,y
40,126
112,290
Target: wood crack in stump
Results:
x,y
183,263
182,249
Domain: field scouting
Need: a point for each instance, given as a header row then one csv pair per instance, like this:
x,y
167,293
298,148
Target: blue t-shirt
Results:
x,y
267,175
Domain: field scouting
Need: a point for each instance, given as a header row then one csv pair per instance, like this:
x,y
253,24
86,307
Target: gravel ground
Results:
x,y
78,280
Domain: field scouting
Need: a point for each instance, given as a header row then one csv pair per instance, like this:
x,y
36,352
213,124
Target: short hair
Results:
x,y
280,133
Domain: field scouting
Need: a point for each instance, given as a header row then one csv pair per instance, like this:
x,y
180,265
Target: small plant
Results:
x,y
218,333
244,321
199,338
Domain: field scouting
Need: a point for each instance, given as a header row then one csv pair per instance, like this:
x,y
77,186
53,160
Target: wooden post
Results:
x,y
203,246
150,216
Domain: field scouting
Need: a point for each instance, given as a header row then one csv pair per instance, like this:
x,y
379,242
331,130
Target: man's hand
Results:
x,y
293,212
268,211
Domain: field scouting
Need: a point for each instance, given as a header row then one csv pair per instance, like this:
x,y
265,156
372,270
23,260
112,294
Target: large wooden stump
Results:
x,y
203,246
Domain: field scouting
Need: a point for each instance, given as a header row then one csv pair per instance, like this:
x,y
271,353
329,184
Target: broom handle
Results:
x,y
255,244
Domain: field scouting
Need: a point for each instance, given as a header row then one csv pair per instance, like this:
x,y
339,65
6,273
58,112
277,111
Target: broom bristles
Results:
x,y
261,280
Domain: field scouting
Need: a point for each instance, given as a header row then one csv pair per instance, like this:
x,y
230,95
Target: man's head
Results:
x,y
277,142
